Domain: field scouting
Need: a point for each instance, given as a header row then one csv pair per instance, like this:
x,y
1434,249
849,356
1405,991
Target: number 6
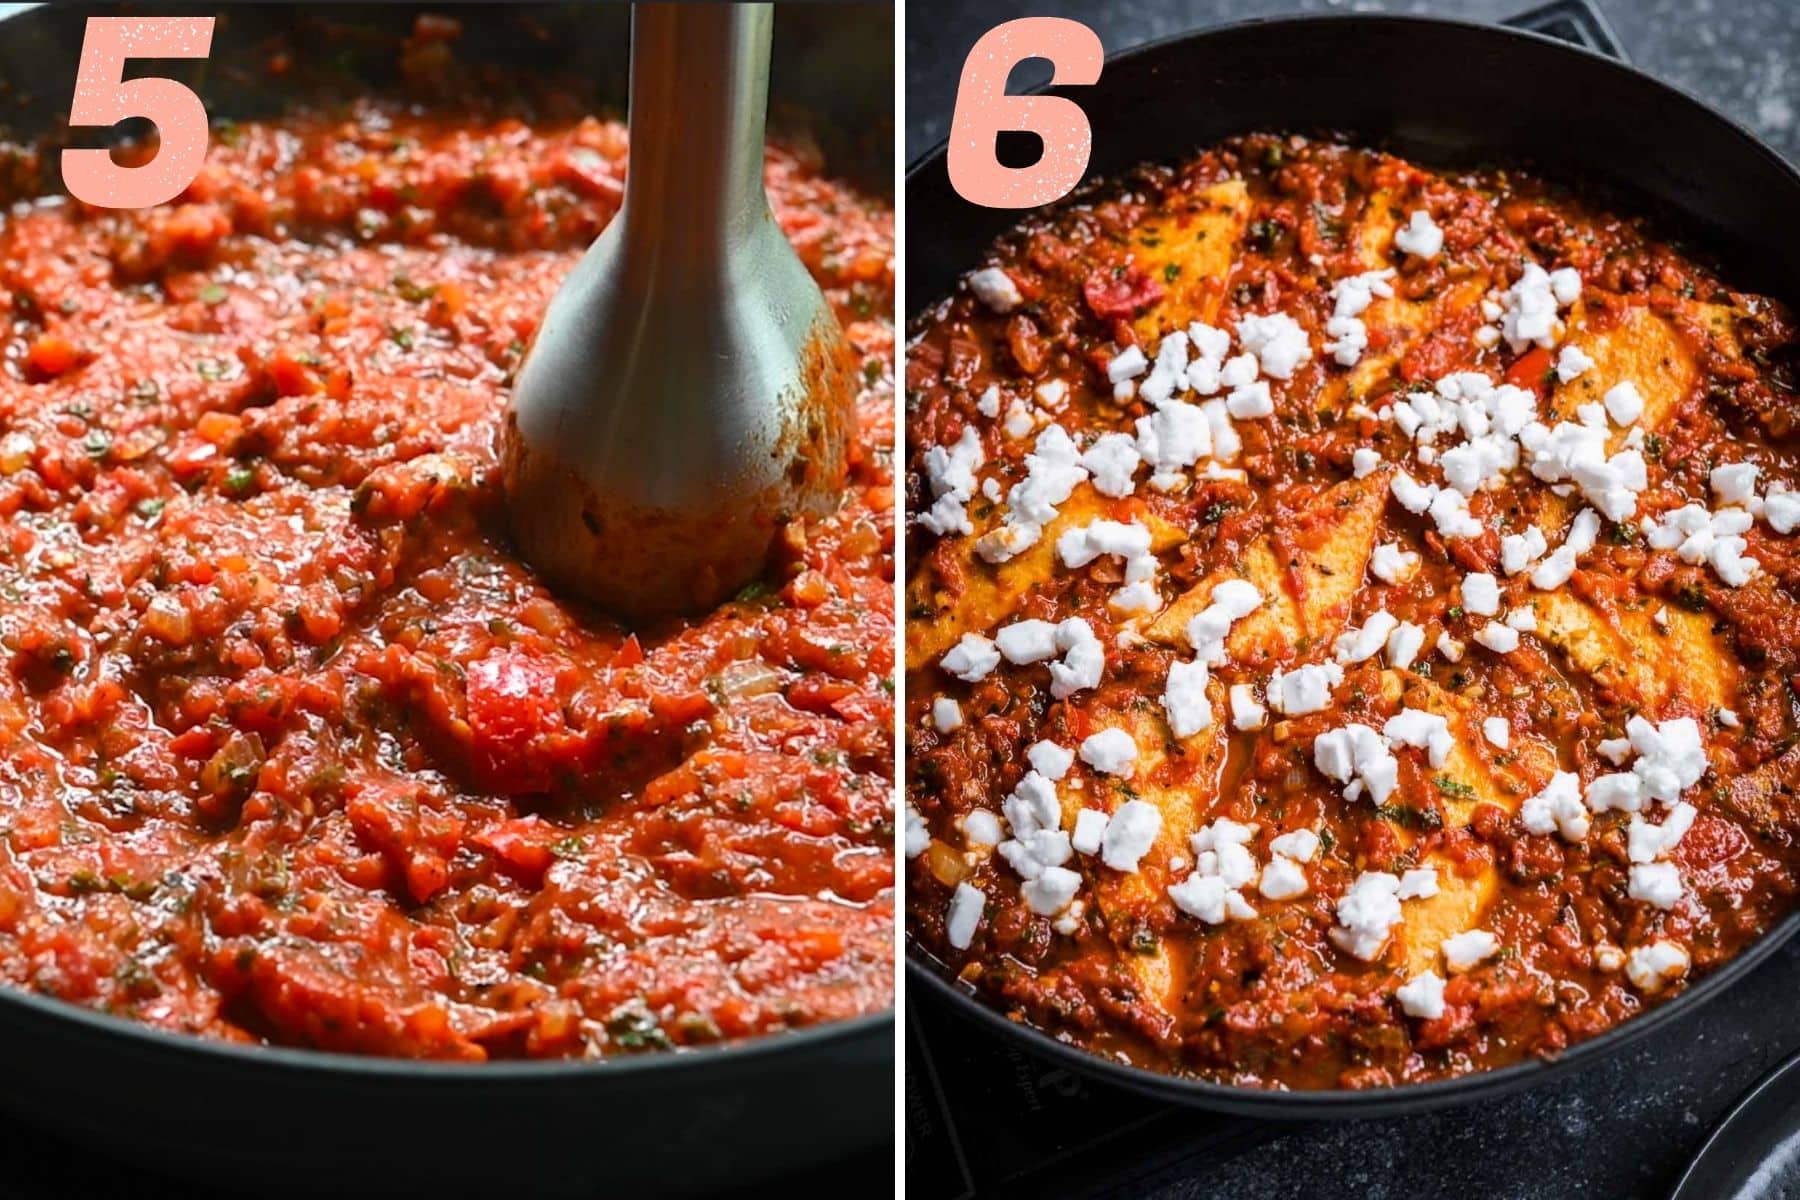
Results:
x,y
983,109
103,96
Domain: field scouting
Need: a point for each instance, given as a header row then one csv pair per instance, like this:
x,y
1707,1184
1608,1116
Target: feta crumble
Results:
x,y
1420,235
1111,751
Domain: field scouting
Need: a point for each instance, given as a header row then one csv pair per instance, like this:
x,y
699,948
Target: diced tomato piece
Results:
x,y
1111,292
1531,371
522,844
50,355
512,699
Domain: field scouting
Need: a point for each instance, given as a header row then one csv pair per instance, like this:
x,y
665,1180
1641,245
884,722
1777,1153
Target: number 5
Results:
x,y
103,96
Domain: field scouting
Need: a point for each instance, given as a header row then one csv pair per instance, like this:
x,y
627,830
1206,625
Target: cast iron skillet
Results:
x,y
301,1123
1444,93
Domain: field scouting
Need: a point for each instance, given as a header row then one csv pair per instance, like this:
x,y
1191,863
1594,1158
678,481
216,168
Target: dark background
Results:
x,y
1625,1127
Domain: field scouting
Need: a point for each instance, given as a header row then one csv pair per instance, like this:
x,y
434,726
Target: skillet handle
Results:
x,y
1578,21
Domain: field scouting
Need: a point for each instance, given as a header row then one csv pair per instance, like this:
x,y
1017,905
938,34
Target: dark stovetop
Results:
x,y
984,1120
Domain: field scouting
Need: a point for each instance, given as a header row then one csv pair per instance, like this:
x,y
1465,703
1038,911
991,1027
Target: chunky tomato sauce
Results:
x,y
297,750
1572,792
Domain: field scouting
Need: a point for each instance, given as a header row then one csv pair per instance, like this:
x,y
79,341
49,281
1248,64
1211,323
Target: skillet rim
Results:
x,y
117,1035
926,969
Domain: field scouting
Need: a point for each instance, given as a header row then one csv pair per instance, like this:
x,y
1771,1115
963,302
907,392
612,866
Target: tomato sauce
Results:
x,y
1272,998
298,751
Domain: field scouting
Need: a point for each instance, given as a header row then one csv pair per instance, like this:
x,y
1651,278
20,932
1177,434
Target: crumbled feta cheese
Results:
x,y
1781,509
1246,711
1051,472
1209,342
1449,647
1651,967
1131,831
996,289
1420,235
1112,461
1283,879
1530,308
1352,296
1565,285
1422,996
1184,699
1301,845
1172,439
1304,689
1522,619
1698,536
1357,757
1278,342
1366,914
1051,891
1671,756
1250,401
1128,363
1575,452
1360,645
1421,730
1025,642
1647,842
1729,719
1450,512
918,834
1558,808
1467,950
1079,546
1518,551
981,828
1112,751
1404,644
950,473
1413,496
1420,883
1083,659
1238,371
1021,419
1090,829
1734,483
1623,403
1392,564
1364,462
1622,791
1230,601
1049,759
1572,364
946,714
971,658
1501,639
1657,884
1481,594
1032,807
1497,731
1201,896
966,903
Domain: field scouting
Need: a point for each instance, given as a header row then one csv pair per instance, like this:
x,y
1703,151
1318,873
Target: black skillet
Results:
x,y
292,1122
1446,93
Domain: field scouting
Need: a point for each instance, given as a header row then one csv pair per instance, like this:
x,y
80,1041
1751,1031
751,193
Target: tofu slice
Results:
x,y
1191,253
1471,776
1627,653
1308,573
1129,902
1641,347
